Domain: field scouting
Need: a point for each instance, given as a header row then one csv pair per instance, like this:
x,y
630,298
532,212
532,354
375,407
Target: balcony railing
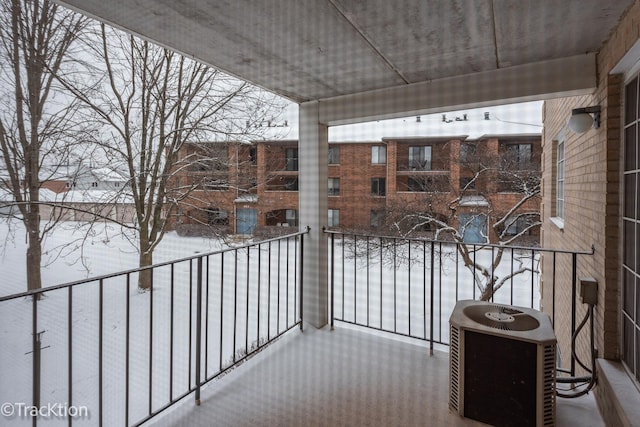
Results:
x,y
126,355
111,355
409,287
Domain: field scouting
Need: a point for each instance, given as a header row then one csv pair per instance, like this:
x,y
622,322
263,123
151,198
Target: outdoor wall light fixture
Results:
x,y
581,119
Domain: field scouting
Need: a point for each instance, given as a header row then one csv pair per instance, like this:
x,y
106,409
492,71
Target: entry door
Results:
x,y
246,220
473,227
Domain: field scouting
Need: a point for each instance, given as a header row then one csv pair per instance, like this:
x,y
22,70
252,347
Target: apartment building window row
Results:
x,y
427,184
334,218
467,153
519,154
468,183
216,216
334,155
378,155
291,216
291,184
420,158
334,186
292,159
379,187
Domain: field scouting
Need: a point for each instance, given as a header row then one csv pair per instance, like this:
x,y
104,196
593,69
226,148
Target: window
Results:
x,y
253,155
291,216
94,184
560,180
292,159
428,184
515,227
630,294
334,186
334,155
334,218
420,158
291,184
379,186
378,155
217,216
468,183
467,153
519,154
210,160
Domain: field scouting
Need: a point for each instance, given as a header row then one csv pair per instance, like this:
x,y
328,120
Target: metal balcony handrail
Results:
x,y
477,245
149,267
383,288
209,312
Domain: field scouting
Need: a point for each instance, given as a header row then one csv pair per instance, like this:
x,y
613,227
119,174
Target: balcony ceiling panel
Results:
x,y
326,49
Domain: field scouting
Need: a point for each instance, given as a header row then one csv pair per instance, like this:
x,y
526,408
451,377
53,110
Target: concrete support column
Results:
x,y
313,152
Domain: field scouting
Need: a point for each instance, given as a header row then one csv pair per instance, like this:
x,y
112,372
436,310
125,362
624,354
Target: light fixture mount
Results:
x,y
581,120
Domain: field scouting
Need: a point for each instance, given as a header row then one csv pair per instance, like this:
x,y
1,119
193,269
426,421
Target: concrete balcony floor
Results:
x,y
341,378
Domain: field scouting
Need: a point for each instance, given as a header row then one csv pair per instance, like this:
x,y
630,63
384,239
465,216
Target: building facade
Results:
x,y
393,185
591,194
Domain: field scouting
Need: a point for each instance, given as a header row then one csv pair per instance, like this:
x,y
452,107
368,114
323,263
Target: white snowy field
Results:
x,y
142,352
248,296
406,300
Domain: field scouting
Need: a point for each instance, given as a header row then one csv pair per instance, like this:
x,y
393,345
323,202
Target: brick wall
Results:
x,y
593,209
592,191
266,178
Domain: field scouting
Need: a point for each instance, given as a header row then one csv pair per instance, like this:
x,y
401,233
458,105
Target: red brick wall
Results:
x,y
355,172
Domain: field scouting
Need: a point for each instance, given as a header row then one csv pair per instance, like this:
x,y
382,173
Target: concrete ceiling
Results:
x,y
351,53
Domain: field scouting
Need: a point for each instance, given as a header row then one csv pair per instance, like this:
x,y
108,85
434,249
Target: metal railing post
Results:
x,y
431,302
198,329
574,274
333,258
301,281
36,358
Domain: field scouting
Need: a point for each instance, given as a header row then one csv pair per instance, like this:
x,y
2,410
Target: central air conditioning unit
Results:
x,y
502,365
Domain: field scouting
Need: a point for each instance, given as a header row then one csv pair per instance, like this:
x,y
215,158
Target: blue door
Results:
x,y
473,228
246,220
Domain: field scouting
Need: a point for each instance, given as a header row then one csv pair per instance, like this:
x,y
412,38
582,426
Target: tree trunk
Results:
x,y
34,251
145,276
34,258
487,293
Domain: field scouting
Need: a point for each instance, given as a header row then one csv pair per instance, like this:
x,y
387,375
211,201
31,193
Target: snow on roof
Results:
x,y
92,196
108,174
513,119
74,196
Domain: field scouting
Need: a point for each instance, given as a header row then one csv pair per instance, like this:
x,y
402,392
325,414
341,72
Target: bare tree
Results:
x,y
452,213
153,101
226,172
38,129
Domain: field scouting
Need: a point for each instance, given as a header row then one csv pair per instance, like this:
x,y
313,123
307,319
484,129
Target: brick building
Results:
x,y
590,198
242,188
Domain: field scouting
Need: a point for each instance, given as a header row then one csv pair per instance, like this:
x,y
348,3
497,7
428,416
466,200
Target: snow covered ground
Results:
x,y
372,293
247,298
156,331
